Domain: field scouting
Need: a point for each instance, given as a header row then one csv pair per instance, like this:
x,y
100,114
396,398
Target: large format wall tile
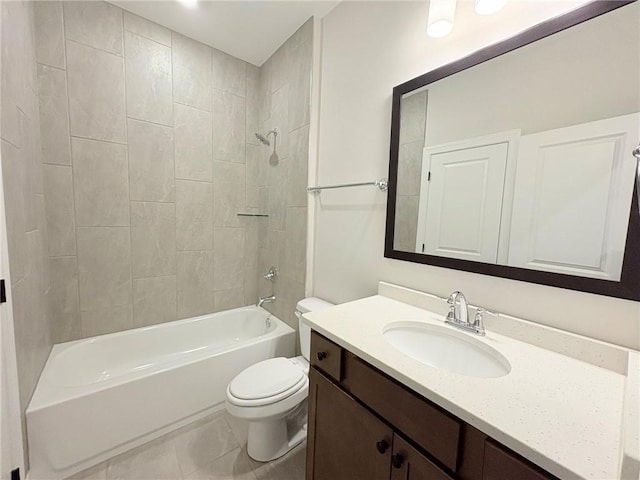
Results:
x,y
253,105
228,258
61,229
54,116
193,143
49,29
414,116
96,24
106,320
406,222
153,239
151,166
191,72
298,168
96,93
144,27
257,171
278,195
194,215
13,172
101,183
280,119
148,80
228,193
228,127
296,246
104,265
154,300
229,73
228,299
410,168
195,283
64,300
300,86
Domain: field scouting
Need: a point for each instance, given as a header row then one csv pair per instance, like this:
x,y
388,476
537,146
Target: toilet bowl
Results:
x,y
271,395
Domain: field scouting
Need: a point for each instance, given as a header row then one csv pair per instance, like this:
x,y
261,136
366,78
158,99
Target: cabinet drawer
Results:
x,y
326,356
502,464
437,432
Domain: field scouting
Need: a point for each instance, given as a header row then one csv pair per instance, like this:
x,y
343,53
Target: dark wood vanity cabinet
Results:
x,y
363,425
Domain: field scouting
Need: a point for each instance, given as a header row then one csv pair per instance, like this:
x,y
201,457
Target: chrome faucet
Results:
x,y
458,315
263,300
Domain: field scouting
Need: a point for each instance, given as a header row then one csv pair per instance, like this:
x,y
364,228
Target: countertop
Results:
x,y
563,414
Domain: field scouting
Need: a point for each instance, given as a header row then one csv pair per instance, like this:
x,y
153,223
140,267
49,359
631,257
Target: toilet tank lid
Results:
x,y
312,304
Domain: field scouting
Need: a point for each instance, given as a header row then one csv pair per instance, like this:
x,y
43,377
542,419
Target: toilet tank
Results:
x,y
305,305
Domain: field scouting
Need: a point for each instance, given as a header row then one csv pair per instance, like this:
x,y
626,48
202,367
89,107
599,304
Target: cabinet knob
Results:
x,y
397,460
382,446
321,356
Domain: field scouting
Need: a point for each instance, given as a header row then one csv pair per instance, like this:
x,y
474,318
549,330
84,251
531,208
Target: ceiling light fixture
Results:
x,y
189,3
488,7
441,14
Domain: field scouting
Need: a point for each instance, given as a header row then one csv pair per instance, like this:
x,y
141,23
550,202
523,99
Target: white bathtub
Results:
x,y
101,396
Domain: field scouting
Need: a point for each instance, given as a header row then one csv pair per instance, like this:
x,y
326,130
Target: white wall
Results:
x,y
367,49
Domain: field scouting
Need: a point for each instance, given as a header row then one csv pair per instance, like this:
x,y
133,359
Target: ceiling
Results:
x,y
250,30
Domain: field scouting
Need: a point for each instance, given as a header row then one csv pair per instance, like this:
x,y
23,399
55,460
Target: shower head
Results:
x,y
265,138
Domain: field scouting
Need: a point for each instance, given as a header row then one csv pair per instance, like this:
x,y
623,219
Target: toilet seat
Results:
x,y
266,382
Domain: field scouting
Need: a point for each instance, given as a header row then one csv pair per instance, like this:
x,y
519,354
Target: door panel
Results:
x,y
571,203
464,205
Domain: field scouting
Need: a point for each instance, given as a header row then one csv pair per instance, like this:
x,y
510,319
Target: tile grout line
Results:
x,y
126,133
73,187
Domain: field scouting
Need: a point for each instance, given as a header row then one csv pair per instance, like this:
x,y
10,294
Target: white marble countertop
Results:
x,y
563,414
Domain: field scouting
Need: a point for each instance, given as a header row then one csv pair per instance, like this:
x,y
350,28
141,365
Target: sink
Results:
x,y
448,349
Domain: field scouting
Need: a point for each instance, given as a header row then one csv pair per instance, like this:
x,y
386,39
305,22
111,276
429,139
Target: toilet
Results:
x,y
271,395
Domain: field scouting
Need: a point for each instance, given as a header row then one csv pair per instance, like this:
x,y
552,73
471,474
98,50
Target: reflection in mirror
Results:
x,y
525,160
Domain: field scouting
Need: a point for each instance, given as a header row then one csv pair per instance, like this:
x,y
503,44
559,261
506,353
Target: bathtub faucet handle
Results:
x,y
271,274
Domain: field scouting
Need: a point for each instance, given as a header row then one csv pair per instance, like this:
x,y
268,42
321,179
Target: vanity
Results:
x,y
378,412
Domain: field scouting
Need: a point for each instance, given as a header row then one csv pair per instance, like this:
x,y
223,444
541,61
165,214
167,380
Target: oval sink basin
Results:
x,y
446,348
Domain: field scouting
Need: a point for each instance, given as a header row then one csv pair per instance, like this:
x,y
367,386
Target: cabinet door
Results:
x,y
346,442
409,464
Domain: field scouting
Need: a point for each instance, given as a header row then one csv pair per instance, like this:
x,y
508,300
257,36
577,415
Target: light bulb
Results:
x,y
189,3
439,28
441,14
488,7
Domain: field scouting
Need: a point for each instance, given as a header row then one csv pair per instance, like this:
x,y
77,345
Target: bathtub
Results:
x,y
101,396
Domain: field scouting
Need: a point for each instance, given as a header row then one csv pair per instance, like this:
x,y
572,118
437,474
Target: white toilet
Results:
x,y
271,395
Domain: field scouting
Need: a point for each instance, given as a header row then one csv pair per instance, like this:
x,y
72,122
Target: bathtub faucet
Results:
x,y
269,299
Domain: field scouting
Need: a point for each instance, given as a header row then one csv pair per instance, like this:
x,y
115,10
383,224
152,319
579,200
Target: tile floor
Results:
x,y
213,448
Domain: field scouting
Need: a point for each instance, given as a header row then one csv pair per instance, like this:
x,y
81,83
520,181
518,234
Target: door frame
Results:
x,y
12,454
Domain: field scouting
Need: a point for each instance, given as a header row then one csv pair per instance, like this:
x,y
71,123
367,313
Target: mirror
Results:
x,y
516,161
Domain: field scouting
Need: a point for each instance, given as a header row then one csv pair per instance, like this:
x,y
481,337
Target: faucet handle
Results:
x,y
271,274
478,323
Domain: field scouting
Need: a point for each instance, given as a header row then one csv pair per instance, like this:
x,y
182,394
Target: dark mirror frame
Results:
x,y
629,285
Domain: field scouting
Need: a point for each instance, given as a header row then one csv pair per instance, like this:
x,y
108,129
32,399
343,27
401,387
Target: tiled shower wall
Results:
x,y
285,90
412,138
23,195
149,151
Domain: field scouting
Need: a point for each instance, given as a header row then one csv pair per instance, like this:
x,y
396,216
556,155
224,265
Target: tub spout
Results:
x,y
262,300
